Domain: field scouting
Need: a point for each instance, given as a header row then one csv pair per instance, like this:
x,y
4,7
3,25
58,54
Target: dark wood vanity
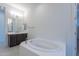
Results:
x,y
16,39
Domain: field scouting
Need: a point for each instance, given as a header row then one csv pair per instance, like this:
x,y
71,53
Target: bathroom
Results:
x,y
38,29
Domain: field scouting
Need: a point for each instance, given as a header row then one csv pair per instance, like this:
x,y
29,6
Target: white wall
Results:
x,y
48,21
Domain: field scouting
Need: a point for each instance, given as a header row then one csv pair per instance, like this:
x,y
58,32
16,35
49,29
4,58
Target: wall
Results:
x,y
48,21
2,27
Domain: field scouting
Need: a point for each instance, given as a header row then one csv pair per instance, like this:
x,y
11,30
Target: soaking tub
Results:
x,y
44,47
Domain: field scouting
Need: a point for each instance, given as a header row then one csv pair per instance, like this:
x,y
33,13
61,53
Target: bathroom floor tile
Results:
x,y
14,51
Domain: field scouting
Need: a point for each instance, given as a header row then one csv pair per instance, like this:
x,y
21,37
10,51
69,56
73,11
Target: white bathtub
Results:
x,y
44,47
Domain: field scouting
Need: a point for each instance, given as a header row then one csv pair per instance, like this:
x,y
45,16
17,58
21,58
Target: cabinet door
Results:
x,y
18,38
12,40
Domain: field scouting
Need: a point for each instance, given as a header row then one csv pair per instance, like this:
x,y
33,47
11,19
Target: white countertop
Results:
x,y
11,33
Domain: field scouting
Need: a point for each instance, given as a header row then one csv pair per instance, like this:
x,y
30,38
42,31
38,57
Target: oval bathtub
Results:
x,y
44,47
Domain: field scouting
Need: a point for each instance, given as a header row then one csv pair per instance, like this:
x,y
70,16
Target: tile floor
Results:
x,y
14,51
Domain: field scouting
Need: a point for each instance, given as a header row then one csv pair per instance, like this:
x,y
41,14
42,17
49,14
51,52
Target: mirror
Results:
x,y
16,21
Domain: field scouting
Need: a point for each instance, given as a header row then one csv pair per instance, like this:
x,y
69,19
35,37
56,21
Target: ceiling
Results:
x,y
27,5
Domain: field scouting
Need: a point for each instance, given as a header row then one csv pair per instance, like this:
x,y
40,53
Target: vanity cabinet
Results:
x,y
16,39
